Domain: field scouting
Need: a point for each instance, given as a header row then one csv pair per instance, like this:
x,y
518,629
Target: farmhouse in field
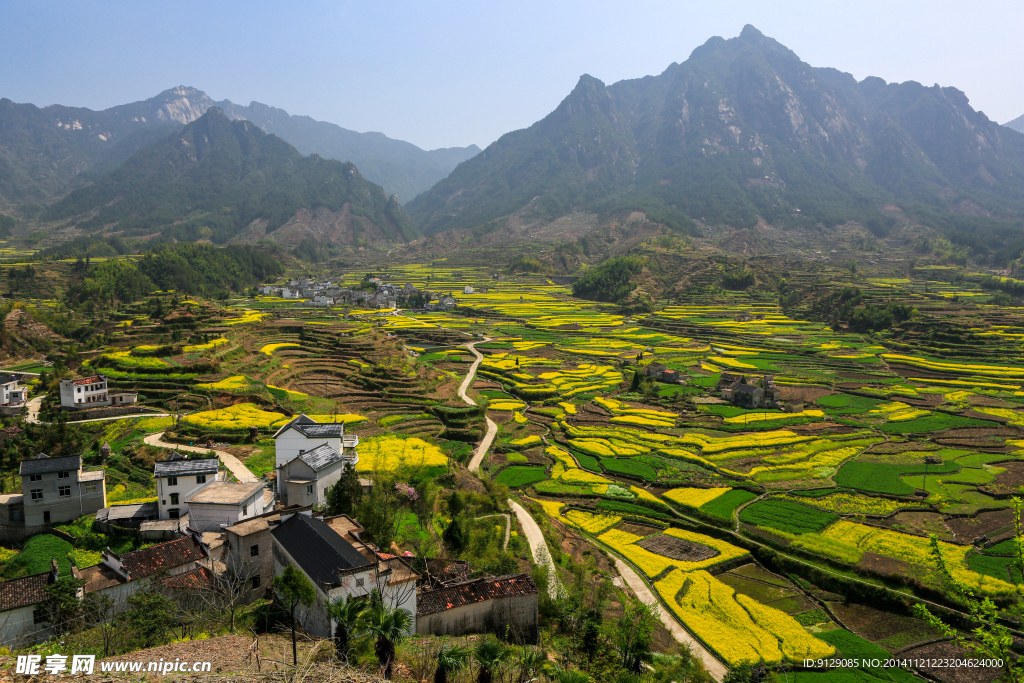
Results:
x,y
747,392
54,490
304,435
91,392
13,396
179,477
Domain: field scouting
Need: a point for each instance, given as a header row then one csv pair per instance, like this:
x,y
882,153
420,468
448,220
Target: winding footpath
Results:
x,y
538,547
234,465
716,668
492,428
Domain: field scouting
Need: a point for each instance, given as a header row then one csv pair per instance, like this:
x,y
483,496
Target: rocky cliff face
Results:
x,y
741,131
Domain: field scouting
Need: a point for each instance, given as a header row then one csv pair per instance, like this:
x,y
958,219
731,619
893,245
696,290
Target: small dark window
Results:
x,y
200,478
64,491
17,515
46,517
174,499
254,550
309,489
359,583
63,475
37,494
173,513
172,481
35,477
255,581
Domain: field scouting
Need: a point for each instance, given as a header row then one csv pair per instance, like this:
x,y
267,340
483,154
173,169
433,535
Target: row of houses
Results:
x,y
324,293
241,561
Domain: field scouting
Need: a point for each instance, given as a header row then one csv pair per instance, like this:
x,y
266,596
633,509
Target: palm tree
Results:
x,y
489,655
388,627
450,658
348,615
571,676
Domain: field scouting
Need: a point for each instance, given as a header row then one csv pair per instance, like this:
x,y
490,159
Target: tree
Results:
x,y
348,615
296,589
571,676
450,658
149,616
344,497
388,627
991,639
63,604
633,635
489,654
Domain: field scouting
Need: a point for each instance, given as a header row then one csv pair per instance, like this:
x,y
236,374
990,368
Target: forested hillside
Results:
x,y
216,177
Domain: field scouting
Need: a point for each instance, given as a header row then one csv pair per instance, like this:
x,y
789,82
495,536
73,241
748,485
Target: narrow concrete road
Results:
x,y
32,415
539,548
492,428
233,464
645,595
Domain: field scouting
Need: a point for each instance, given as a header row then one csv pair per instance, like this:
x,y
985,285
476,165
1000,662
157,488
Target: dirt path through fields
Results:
x,y
233,464
492,428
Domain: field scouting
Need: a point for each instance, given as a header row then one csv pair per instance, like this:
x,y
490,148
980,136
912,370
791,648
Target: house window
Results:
x,y
359,583
172,481
35,477
309,490
255,581
46,516
92,487
245,509
79,389
37,494
173,513
200,478
254,550
174,499
64,491
63,475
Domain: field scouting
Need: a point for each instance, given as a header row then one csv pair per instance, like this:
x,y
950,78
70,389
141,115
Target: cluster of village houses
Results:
x,y
236,536
324,292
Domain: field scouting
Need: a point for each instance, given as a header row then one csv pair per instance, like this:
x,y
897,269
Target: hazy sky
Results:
x,y
453,73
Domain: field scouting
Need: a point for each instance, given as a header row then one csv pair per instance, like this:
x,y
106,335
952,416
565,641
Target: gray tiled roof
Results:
x,y
311,428
41,464
321,457
181,467
319,550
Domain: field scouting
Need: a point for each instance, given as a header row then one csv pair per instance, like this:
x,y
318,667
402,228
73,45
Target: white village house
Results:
x,y
91,392
303,435
177,478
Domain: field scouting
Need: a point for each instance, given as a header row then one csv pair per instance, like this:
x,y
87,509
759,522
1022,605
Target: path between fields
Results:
x,y
508,526
492,428
233,464
538,546
32,415
644,594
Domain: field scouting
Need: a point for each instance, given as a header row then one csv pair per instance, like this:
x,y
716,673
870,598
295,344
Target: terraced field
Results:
x,y
875,441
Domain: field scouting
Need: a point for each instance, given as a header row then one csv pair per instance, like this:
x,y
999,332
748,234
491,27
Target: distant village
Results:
x,y
217,534
325,293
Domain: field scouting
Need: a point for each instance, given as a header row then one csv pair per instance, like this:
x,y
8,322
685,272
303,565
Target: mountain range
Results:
x,y
216,177
44,152
744,131
1017,124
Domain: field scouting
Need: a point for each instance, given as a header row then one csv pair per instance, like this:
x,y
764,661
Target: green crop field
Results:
x,y
785,515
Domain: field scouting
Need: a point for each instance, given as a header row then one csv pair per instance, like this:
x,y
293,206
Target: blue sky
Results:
x,y
454,73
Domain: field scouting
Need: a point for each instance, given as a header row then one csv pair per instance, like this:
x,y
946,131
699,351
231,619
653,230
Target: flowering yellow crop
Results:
x,y
389,452
553,508
708,607
850,504
569,408
228,383
958,368
578,476
507,405
623,542
796,643
240,417
694,498
208,345
526,441
916,550
247,317
754,416
591,523
270,348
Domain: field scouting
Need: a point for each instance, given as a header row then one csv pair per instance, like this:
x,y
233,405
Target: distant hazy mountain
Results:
x,y
400,167
215,178
741,131
1017,124
43,150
